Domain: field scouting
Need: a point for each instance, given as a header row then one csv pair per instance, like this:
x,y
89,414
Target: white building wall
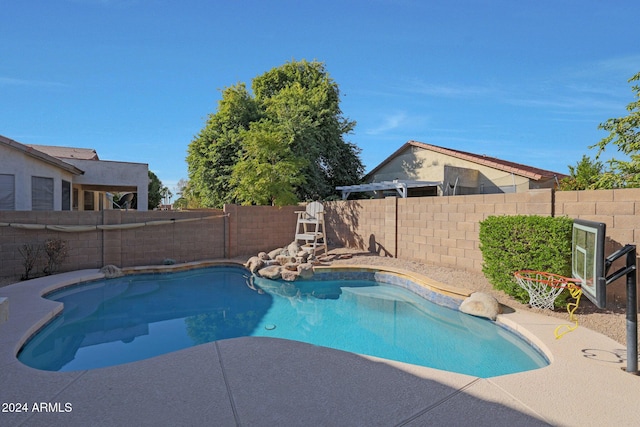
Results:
x,y
115,174
424,165
23,167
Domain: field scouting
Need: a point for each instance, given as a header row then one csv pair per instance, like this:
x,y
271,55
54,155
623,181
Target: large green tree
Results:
x,y
299,105
215,151
268,171
624,133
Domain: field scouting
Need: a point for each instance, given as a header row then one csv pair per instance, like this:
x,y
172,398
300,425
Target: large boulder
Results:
x,y
254,264
111,271
305,270
293,249
274,253
273,272
291,266
481,305
285,259
289,275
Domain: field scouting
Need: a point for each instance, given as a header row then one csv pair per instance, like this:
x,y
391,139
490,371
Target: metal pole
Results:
x,y
632,314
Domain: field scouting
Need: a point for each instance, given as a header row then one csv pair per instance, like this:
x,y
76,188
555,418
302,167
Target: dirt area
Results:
x,y
610,322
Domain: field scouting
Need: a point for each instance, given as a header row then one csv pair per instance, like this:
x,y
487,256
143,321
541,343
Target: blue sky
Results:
x,y
135,79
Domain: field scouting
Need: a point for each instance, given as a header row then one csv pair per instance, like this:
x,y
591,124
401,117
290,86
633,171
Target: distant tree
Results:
x,y
180,203
155,188
300,104
624,132
584,176
185,199
166,195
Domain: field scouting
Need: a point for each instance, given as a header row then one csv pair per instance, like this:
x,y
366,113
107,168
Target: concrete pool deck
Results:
x,y
271,382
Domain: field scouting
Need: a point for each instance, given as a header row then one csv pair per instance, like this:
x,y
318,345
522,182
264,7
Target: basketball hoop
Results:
x,y
544,288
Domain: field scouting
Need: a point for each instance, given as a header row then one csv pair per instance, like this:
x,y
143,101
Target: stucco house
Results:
x,y
37,177
419,169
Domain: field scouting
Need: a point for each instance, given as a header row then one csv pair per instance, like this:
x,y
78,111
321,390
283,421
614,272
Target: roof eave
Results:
x,y
465,156
31,152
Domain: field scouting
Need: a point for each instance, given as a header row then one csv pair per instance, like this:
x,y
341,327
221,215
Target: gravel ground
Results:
x,y
610,322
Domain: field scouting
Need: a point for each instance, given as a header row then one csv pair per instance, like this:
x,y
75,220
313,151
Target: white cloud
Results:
x,y
449,90
10,81
388,123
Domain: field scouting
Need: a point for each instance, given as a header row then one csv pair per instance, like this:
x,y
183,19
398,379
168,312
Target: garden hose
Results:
x,y
576,293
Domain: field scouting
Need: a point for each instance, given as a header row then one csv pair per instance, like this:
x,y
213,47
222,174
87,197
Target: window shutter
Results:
x,y
41,193
66,195
7,192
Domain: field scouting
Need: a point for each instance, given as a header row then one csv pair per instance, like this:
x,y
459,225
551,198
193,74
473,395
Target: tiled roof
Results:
x,y
67,152
41,155
530,172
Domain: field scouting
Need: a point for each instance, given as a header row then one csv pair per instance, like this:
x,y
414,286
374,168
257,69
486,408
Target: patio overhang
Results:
x,y
401,186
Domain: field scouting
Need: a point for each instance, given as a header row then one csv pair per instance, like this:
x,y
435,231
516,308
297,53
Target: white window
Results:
x,y
41,193
7,192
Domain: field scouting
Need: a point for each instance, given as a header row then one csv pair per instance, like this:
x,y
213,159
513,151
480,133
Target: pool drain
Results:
x,y
270,327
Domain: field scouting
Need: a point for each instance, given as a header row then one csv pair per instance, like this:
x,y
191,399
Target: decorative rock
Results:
x,y
481,305
305,270
254,264
263,256
269,262
289,275
284,259
274,253
111,271
291,266
303,254
293,249
272,272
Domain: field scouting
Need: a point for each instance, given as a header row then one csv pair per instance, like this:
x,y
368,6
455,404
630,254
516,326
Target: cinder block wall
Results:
x,y
445,230
436,230
363,224
151,244
84,249
253,229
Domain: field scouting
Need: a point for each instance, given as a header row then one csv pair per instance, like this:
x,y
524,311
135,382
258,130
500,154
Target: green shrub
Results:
x,y
512,243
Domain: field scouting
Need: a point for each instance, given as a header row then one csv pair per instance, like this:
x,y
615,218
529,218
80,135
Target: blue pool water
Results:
x,y
136,317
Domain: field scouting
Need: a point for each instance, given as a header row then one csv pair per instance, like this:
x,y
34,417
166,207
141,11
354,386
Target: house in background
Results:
x,y
419,169
37,177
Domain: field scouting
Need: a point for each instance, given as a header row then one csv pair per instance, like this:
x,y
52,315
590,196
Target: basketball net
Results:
x,y
544,288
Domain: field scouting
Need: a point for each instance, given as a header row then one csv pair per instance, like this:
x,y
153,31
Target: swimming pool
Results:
x,y
131,318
